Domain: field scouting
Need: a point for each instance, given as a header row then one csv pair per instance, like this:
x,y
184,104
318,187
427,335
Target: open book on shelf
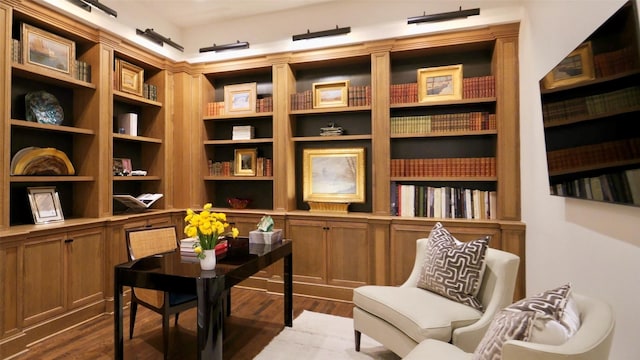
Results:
x,y
143,201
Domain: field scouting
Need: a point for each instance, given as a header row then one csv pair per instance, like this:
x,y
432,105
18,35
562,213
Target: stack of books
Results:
x,y
187,251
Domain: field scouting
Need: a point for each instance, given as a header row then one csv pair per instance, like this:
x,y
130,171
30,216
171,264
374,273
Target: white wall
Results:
x,y
595,246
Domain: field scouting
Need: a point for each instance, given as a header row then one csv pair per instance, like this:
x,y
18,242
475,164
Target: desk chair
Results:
x,y
151,241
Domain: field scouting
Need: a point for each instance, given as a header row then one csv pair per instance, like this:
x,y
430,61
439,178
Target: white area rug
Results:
x,y
316,336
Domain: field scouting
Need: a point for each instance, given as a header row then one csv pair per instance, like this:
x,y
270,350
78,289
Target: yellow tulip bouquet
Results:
x,y
207,227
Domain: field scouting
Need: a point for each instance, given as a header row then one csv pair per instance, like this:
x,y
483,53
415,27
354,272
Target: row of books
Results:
x,y
216,108
264,104
264,167
421,124
442,202
593,155
621,187
150,91
81,69
614,101
444,167
475,87
356,96
614,62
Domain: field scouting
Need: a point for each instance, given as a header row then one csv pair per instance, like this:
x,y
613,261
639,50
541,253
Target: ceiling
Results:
x,y
189,13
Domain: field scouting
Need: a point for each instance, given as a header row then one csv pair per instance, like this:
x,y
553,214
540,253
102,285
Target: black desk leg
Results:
x,y
117,318
210,317
288,290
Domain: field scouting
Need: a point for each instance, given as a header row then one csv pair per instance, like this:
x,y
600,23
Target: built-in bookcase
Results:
x,y
75,136
146,149
354,117
443,153
222,182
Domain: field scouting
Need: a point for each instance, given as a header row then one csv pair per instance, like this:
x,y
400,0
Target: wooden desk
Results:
x,y
170,272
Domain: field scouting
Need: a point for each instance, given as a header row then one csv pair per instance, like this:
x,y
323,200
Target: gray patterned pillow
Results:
x,y
506,325
453,268
542,318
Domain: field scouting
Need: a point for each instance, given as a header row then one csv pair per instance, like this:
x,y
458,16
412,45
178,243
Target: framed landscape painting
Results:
x,y
334,175
331,94
440,83
48,50
573,69
240,98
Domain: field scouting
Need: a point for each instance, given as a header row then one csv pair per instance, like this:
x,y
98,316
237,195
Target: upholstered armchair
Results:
x,y
400,317
592,341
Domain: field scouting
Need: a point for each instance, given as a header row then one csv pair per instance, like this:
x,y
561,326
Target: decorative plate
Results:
x,y
43,107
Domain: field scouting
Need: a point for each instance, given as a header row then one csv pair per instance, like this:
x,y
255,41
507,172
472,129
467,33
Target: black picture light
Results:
x,y
232,46
323,33
87,4
443,16
158,39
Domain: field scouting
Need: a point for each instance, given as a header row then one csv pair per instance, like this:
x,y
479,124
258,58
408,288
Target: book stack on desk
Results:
x,y
187,251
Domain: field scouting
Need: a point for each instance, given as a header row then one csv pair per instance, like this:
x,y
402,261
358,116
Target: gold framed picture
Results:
x,y
331,94
575,68
130,77
334,175
440,83
245,162
45,204
48,50
240,98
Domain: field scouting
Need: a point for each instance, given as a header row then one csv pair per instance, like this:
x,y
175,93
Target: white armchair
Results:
x,y
400,317
592,341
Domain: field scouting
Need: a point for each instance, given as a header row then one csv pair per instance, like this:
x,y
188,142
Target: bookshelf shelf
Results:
x,y
52,77
238,142
142,139
265,115
133,99
331,138
137,178
51,128
50,179
484,100
445,134
238,178
445,178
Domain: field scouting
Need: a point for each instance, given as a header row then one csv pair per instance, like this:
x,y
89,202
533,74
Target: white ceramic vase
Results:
x,y
209,261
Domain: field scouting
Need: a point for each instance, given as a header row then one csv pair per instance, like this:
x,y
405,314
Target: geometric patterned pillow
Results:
x,y
452,268
506,325
550,317
550,303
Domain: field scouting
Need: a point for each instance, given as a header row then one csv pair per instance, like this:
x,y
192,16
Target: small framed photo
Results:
x,y
240,98
245,162
575,68
48,50
121,167
45,204
334,175
331,94
440,83
130,77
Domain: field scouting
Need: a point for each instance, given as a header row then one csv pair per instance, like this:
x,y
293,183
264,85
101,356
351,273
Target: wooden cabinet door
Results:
x,y
309,250
85,266
348,254
43,281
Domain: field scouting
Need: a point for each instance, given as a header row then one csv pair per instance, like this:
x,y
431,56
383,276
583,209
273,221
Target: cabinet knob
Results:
x,y
67,241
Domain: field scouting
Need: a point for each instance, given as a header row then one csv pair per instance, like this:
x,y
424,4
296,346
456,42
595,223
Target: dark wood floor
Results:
x,y
256,318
